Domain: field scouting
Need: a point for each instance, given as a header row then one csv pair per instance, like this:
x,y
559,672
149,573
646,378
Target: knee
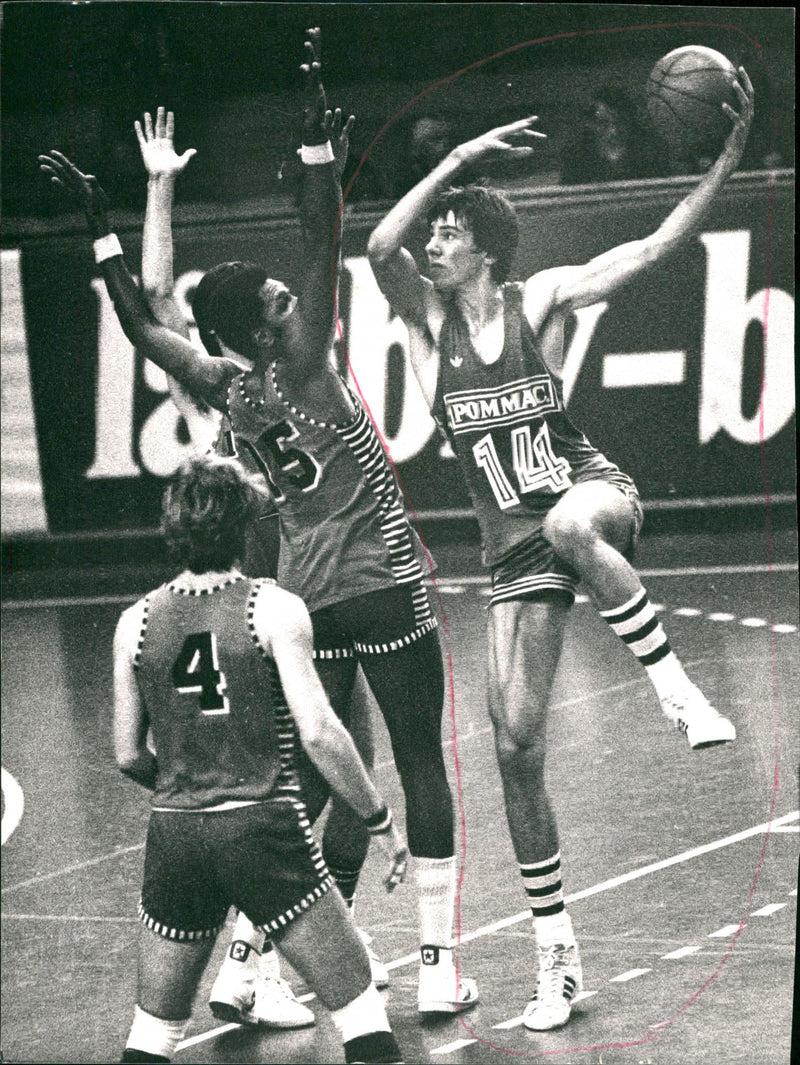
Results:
x,y
568,534
518,744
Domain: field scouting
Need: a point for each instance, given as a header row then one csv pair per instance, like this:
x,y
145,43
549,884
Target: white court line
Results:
x,y
67,917
14,802
726,930
681,952
72,868
448,1048
606,885
767,911
483,580
631,974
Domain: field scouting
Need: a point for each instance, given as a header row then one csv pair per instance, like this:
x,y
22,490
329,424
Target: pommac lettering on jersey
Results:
x,y
504,405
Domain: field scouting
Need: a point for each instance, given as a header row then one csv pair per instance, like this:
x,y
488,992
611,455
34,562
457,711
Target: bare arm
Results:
x,y
393,266
575,287
163,165
133,756
202,375
324,737
307,334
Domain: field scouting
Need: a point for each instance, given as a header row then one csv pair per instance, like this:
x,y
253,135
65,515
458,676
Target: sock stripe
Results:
x,y
544,869
656,655
542,892
627,610
640,633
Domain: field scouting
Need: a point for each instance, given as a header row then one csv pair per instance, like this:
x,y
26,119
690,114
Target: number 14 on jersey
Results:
x,y
536,467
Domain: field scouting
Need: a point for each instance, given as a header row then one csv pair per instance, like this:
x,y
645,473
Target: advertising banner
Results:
x,y
684,378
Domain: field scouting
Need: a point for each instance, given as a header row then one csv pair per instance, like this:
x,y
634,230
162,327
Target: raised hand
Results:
x,y
158,152
515,140
88,195
741,119
339,136
315,105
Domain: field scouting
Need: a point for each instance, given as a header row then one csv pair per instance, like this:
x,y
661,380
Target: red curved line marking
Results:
x,y
656,1034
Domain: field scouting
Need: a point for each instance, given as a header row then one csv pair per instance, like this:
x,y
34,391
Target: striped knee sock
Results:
x,y
545,893
636,624
543,886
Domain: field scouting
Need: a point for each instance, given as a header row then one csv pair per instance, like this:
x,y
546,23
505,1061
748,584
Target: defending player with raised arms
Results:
x,y
347,547
553,511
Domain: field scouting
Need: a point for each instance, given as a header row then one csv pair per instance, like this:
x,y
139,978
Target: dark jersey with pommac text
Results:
x,y
344,530
508,427
221,726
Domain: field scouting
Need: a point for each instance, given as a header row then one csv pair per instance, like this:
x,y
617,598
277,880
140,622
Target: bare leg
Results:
x,y
323,946
169,973
525,639
589,527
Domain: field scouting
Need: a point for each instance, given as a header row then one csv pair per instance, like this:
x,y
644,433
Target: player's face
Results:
x,y
278,303
453,258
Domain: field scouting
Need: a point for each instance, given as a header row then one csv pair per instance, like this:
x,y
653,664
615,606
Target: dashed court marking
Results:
x,y
681,952
448,1048
767,911
631,974
726,930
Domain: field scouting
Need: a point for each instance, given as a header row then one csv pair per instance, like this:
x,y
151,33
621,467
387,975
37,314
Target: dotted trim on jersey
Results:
x,y
283,919
395,645
329,655
177,934
177,590
137,658
335,426
287,780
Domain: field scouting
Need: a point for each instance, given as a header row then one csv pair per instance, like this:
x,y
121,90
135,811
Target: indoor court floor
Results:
x,y
680,867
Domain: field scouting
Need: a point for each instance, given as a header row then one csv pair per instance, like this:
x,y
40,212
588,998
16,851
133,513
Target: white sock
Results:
x,y
554,929
436,883
636,624
244,931
365,1014
154,1035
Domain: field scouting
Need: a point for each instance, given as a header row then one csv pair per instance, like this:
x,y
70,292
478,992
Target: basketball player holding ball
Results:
x,y
552,510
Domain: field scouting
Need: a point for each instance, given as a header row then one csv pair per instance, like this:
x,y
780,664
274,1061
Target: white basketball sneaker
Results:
x,y
691,713
439,989
243,995
559,981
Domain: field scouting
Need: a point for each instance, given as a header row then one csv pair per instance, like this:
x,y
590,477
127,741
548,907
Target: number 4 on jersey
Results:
x,y
535,464
197,669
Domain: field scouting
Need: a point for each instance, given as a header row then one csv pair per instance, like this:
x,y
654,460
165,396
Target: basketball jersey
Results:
x,y
507,425
222,729
344,530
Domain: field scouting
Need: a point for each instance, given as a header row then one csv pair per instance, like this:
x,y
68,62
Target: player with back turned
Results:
x,y
347,548
219,667
552,509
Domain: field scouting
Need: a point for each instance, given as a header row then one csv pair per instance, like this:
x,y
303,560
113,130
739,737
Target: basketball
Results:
x,y
685,93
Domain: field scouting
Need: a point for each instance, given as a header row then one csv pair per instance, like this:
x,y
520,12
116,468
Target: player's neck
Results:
x,y
480,302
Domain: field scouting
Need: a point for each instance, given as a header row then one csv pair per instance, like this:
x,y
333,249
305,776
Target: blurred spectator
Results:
x,y
612,143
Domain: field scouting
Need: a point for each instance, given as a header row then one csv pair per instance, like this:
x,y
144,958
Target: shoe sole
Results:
x,y
224,1011
442,1006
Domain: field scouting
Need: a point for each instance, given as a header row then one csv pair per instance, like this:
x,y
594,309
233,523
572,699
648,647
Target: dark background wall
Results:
x,y
75,77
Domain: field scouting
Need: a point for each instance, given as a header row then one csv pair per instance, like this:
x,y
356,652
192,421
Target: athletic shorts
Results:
x,y
262,859
373,624
534,568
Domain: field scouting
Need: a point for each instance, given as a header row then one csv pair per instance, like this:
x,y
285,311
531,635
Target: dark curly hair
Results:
x,y
227,304
489,217
205,512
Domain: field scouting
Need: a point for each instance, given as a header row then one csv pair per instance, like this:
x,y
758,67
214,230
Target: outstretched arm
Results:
x,y
202,375
307,333
163,165
573,287
393,266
